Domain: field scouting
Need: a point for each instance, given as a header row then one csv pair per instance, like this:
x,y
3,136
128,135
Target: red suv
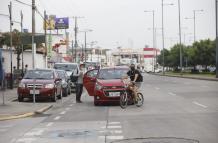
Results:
x,y
46,81
105,84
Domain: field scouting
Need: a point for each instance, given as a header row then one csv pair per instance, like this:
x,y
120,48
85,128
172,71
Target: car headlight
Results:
x,y
49,86
98,86
22,85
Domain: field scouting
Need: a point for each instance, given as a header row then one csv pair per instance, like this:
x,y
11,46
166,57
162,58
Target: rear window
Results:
x,y
39,74
66,67
112,73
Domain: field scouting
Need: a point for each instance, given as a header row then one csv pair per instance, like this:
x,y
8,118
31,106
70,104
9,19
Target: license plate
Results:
x,y
114,94
36,92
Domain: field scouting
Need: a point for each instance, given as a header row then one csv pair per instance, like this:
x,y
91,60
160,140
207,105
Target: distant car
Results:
x,y
105,84
65,82
46,83
72,70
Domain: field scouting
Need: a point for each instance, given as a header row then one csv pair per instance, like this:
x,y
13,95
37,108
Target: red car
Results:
x,y
105,84
46,81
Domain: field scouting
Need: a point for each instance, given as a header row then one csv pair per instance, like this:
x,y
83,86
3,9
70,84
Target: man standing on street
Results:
x,y
79,84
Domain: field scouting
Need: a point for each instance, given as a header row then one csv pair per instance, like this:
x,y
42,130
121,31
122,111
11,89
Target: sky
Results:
x,y
121,22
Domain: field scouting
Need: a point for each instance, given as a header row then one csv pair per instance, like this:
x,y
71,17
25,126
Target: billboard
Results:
x,y
62,23
49,22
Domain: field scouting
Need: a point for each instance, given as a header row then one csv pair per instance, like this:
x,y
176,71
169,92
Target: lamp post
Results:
x,y
216,6
153,39
85,43
11,23
180,38
194,21
163,41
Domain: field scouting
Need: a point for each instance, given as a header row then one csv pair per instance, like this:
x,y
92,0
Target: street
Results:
x,y
183,109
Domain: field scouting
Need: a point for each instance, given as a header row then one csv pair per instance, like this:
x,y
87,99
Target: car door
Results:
x,y
89,81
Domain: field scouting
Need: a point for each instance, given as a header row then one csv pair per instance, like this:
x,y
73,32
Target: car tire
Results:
x,y
65,92
54,97
20,98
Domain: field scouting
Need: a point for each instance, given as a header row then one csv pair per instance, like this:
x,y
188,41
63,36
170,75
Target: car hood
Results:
x,y
111,82
37,81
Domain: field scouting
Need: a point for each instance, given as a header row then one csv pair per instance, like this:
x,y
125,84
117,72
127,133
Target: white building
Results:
x,y
40,60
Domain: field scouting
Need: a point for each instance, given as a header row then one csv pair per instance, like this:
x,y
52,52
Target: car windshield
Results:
x,y
39,74
112,73
66,67
61,74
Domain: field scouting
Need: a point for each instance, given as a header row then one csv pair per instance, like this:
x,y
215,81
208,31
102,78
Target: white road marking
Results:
x,y
49,124
57,118
199,104
67,108
3,130
71,105
170,93
113,123
63,112
157,88
26,140
35,133
113,127
114,137
117,131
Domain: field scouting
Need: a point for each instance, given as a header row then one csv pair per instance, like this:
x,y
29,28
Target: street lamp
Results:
x,y
153,38
162,5
194,21
85,43
180,37
216,6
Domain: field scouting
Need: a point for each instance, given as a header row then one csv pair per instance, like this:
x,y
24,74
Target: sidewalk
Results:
x,y
188,76
12,109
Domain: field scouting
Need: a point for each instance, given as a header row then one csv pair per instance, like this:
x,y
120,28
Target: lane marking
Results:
x,y
113,127
71,105
114,137
157,88
199,104
117,131
67,108
57,118
63,112
34,133
26,140
173,94
113,123
49,124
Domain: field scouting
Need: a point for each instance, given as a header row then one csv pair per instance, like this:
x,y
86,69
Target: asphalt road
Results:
x,y
175,111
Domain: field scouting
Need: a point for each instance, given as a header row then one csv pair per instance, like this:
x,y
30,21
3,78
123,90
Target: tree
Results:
x,y
16,43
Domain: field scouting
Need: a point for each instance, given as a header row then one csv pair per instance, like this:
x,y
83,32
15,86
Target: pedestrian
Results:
x,y
26,68
79,84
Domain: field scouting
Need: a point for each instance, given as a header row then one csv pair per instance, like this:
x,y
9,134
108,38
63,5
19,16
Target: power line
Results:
x,y
23,3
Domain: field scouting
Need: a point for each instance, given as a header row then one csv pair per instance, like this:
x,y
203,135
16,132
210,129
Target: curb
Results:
x,y
198,78
28,114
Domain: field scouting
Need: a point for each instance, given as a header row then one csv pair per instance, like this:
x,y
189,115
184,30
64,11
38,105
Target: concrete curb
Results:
x,y
198,78
28,114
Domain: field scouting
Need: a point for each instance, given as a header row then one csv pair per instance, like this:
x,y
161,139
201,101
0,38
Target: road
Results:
x,y
173,107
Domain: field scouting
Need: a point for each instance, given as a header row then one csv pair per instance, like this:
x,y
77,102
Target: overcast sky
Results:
x,y
121,22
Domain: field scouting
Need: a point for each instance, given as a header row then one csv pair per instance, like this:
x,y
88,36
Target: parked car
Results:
x,y
105,84
46,82
72,70
65,82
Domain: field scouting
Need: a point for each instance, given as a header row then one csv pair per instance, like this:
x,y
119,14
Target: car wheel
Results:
x,y
20,98
54,97
65,92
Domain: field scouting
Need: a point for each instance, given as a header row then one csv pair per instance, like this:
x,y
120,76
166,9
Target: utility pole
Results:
x,y
33,33
216,3
75,44
180,39
45,37
163,36
11,23
21,30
